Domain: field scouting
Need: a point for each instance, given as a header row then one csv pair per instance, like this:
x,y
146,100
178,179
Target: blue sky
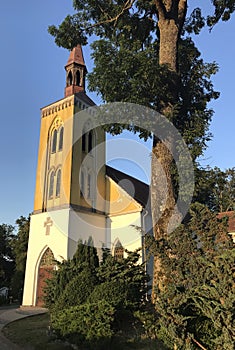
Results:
x,y
32,76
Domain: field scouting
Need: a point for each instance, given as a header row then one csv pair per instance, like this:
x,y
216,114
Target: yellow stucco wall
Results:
x,y
118,201
61,110
66,113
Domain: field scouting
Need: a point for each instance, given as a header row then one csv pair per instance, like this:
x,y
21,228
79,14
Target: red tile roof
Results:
x,y
231,219
76,56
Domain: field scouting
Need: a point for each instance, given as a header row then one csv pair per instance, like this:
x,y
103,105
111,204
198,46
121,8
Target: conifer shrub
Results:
x,y
89,322
90,301
77,290
113,291
195,305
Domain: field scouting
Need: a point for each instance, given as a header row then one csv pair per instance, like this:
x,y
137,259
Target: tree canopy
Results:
x,y
144,53
6,254
216,188
13,251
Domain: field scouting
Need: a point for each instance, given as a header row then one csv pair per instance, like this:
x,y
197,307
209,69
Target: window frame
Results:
x,y
58,183
51,184
61,139
54,141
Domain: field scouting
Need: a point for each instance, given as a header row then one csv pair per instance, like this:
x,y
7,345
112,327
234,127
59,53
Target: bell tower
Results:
x,y
70,188
75,72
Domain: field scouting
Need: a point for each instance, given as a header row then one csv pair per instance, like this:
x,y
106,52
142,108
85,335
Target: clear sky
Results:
x,y
32,76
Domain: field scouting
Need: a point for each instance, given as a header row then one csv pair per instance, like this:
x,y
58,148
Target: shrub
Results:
x,y
113,291
77,290
90,321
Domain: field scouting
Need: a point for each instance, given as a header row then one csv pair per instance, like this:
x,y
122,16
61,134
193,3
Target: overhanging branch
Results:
x,y
127,6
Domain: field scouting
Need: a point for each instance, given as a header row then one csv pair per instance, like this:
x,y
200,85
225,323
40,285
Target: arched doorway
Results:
x,y
45,269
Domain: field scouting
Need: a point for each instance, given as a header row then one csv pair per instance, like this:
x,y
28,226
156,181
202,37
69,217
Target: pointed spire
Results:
x,y
75,72
76,56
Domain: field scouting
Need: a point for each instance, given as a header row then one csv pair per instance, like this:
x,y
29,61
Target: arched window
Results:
x,y
82,183
118,251
61,137
70,79
47,258
54,141
51,185
78,78
58,183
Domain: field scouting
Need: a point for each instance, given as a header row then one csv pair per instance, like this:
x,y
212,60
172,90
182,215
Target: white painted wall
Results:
x,y
121,228
67,228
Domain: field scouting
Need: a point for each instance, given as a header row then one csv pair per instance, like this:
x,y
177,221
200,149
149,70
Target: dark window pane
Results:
x,y
58,183
51,185
90,141
61,139
54,142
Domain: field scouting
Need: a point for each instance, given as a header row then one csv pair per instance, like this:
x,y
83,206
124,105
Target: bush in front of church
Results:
x,y
73,279
77,290
85,323
88,303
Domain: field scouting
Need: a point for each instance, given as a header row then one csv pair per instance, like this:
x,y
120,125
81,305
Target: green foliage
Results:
x,y
89,321
87,302
67,276
6,254
19,246
197,292
148,319
127,69
114,292
13,251
77,290
222,11
20,242
134,75
216,188
135,20
131,276
86,254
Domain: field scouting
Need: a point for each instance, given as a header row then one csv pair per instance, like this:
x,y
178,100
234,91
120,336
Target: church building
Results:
x,y
77,195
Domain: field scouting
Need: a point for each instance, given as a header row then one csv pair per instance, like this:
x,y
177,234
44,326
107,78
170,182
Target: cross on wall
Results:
x,y
48,223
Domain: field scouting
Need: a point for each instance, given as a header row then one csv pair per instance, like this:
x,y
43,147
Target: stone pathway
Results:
x,y
12,313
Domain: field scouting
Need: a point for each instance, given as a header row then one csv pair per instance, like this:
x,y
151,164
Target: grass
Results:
x,y
31,333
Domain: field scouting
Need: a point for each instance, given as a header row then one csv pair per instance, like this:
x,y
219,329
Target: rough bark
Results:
x,y
168,43
171,16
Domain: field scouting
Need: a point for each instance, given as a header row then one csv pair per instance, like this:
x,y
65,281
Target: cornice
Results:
x,y
57,106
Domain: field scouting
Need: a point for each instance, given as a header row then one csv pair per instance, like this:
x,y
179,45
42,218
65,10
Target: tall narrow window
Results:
x,y
90,141
70,79
61,138
78,78
54,142
58,183
83,141
51,185
82,183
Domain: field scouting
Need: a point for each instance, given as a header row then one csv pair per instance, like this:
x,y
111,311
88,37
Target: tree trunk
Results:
x,y
162,199
171,15
168,43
